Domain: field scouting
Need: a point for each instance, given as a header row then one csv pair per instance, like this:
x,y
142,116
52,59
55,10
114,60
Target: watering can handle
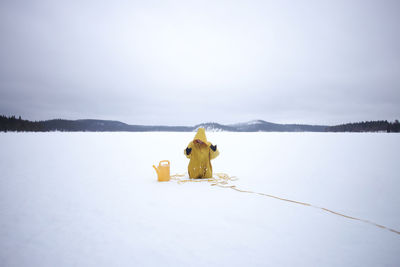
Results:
x,y
164,161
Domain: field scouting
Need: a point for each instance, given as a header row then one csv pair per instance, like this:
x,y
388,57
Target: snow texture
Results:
x,y
92,199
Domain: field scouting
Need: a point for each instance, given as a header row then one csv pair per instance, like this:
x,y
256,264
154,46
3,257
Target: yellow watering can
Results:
x,y
163,171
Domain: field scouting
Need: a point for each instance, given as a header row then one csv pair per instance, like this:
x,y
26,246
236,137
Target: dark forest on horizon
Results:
x,y
14,124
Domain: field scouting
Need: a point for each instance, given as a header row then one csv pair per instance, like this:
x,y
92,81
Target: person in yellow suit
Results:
x,y
200,152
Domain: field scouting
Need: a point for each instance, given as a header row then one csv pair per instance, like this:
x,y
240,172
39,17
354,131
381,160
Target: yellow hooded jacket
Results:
x,y
200,156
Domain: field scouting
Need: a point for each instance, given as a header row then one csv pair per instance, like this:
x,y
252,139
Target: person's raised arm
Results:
x,y
213,151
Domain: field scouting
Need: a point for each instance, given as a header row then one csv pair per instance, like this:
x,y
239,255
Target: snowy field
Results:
x,y
92,199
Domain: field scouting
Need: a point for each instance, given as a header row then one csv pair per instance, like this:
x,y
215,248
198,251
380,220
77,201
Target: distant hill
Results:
x,y
106,126
262,126
18,124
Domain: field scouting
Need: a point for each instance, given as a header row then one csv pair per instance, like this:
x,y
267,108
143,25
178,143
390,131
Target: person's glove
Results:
x,y
188,150
214,148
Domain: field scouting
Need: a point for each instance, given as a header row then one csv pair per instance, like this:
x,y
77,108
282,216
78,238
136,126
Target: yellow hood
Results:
x,y
201,135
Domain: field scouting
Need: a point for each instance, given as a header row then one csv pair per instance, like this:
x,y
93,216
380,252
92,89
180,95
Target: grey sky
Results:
x,y
186,62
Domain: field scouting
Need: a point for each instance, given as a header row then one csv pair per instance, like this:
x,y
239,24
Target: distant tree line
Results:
x,y
19,125
14,124
367,126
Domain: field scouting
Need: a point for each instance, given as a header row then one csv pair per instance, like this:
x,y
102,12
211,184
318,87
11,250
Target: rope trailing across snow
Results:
x,y
223,179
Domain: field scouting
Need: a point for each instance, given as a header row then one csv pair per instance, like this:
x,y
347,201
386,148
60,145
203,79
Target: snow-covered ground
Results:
x,y
92,199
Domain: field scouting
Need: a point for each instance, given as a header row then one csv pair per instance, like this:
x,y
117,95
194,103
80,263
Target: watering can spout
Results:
x,y
156,169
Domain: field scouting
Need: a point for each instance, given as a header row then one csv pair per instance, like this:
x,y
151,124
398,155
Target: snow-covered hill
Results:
x,y
259,126
92,199
265,126
213,127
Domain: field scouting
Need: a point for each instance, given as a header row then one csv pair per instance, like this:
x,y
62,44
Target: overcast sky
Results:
x,y
186,62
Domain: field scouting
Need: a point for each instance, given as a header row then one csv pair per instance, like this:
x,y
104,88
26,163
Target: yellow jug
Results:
x,y
163,171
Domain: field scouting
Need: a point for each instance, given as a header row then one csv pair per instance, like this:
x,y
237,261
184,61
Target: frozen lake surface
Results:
x,y
92,199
